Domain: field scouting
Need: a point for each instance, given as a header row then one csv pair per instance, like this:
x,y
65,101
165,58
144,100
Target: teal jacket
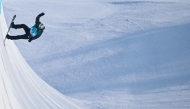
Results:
x,y
37,32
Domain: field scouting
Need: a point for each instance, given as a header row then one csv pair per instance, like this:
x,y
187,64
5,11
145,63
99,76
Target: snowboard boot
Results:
x,y
13,25
8,36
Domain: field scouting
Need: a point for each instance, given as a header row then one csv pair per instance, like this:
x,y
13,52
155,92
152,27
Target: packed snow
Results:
x,y
20,87
115,54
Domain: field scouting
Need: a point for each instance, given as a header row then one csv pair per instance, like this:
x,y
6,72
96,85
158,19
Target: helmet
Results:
x,y
41,26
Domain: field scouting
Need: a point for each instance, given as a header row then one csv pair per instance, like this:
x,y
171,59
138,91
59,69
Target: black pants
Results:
x,y
24,36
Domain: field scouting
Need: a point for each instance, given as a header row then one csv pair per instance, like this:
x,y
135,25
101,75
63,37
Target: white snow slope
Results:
x,y
20,87
116,54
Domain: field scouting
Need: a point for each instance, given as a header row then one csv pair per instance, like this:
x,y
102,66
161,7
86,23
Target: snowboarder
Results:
x,y
30,33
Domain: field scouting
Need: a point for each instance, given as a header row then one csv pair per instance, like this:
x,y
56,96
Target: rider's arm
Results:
x,y
38,17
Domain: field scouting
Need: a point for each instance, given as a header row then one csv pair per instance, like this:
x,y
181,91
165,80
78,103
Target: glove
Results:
x,y
29,40
42,14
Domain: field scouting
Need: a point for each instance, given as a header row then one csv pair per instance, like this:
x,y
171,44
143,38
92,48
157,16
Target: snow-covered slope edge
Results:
x,y
20,87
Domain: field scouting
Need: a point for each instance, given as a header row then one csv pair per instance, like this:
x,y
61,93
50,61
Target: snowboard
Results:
x,y
9,28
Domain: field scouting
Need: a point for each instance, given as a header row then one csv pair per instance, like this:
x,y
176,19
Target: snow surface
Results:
x,y
116,54
20,87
